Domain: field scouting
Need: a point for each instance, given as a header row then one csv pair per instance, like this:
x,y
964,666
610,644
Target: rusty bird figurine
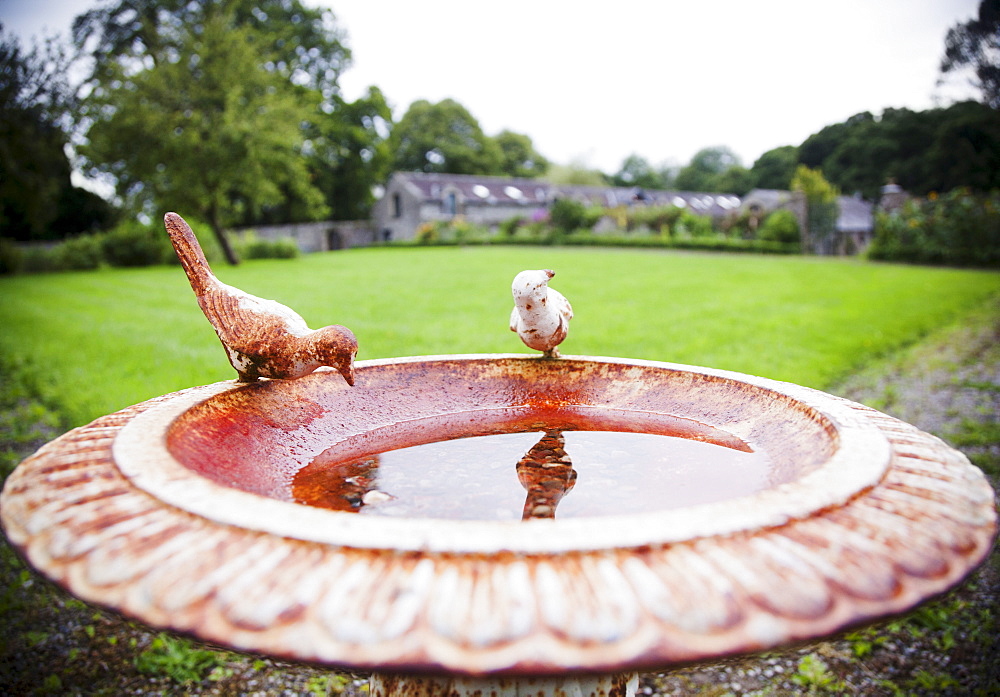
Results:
x,y
541,314
263,338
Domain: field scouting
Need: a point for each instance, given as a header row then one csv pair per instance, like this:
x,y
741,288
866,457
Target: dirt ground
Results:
x,y
949,385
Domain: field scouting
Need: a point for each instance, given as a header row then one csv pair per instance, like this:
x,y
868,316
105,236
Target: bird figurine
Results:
x,y
541,314
263,338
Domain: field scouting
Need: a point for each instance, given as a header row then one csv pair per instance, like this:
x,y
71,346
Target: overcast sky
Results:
x,y
592,82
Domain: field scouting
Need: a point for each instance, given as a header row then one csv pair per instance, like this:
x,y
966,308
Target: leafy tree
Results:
x,y
37,198
923,151
347,154
821,200
203,128
705,168
976,44
518,157
443,137
820,145
735,180
357,156
776,167
637,171
575,174
964,152
298,43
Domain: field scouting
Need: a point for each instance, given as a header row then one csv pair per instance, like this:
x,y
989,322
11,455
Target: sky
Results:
x,y
594,82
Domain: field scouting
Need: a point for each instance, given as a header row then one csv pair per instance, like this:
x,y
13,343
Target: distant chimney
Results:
x,y
893,197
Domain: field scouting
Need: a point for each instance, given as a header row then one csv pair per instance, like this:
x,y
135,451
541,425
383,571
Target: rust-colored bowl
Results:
x,y
182,512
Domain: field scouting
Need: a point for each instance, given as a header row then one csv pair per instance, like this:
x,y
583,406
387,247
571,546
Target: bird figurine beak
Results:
x,y
348,372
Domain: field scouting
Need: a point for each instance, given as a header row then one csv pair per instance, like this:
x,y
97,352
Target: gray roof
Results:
x,y
768,199
511,191
855,215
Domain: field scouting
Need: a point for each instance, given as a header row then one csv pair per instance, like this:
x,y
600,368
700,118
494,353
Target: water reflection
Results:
x,y
472,478
546,473
346,487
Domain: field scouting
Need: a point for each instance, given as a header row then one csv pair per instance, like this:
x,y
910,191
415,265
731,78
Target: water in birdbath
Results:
x,y
595,473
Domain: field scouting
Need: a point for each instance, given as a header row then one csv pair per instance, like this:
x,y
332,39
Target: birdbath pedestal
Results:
x,y
708,514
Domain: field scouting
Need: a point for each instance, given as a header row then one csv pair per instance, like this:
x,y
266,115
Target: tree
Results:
x,y
37,198
821,207
923,151
816,148
964,152
575,174
637,171
298,43
204,129
518,157
976,44
702,174
351,154
443,137
775,168
735,180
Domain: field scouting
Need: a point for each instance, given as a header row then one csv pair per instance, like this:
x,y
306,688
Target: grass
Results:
x,y
94,342
98,341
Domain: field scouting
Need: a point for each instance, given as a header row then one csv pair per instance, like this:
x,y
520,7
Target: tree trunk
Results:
x,y
220,235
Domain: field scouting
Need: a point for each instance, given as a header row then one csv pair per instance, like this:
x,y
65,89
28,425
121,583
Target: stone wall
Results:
x,y
322,236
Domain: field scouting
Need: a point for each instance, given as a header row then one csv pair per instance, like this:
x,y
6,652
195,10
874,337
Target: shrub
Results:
x,y
252,247
510,226
661,219
11,257
567,215
780,226
957,228
81,253
40,259
428,232
461,230
693,225
131,243
741,224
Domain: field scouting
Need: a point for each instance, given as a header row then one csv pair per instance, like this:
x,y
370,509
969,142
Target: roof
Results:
x,y
490,190
855,214
768,199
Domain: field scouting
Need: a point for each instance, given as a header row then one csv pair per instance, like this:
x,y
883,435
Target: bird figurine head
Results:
x,y
335,346
528,284
541,314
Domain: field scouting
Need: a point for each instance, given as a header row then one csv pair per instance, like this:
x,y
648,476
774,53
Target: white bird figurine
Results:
x,y
263,338
541,314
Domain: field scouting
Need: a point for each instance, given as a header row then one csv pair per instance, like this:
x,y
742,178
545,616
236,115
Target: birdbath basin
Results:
x,y
379,527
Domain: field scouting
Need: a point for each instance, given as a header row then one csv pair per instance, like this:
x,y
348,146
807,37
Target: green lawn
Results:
x,y
94,342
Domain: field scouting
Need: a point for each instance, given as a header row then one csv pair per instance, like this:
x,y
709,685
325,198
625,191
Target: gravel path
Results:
x,y
948,385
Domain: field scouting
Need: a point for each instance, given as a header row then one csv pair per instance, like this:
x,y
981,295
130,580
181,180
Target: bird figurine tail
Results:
x,y
190,253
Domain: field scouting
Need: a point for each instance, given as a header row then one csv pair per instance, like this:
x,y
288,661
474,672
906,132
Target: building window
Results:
x,y
450,204
397,206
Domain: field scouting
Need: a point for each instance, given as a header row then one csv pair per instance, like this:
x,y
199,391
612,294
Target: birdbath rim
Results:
x,y
533,598
859,457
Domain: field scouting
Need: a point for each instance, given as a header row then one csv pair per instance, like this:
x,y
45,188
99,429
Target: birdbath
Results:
x,y
501,524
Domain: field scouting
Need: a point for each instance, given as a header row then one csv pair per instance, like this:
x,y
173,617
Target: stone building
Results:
x,y
853,229
321,236
414,198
